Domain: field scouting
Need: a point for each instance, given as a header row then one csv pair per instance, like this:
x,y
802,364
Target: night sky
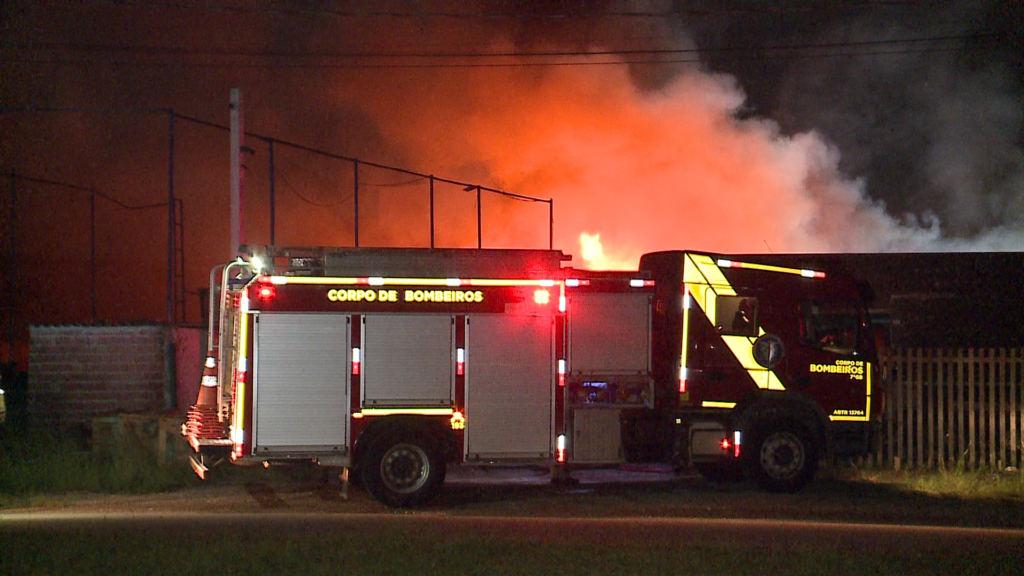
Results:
x,y
723,125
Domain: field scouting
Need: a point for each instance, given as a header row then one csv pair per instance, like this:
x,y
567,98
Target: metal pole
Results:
x,y
551,224
236,137
271,143
12,270
479,221
92,249
355,197
170,217
431,210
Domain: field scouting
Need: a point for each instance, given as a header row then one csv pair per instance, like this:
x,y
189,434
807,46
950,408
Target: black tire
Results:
x,y
402,471
783,458
720,472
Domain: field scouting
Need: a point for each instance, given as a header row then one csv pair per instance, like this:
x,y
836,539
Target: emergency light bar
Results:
x,y
378,281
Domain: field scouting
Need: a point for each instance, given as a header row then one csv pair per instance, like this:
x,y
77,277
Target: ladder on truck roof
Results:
x,y
408,262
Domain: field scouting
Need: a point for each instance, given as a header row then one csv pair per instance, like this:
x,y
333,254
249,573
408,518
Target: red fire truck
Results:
x,y
399,362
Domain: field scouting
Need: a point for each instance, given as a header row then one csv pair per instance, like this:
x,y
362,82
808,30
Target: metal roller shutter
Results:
x,y
407,360
609,332
509,385
301,394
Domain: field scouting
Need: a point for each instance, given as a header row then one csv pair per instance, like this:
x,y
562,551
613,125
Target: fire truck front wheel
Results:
x,y
403,471
783,458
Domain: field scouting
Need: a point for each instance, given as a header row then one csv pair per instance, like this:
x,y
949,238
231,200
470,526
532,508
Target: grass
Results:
x,y
38,463
324,547
957,481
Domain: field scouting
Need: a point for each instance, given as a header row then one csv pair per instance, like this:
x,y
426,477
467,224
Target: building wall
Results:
x,y
78,372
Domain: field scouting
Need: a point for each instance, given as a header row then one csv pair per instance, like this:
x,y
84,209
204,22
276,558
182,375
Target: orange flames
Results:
x,y
673,168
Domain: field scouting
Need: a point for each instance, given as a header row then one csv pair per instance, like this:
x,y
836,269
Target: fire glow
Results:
x,y
670,168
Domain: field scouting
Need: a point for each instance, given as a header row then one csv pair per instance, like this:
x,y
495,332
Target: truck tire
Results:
x,y
783,458
403,471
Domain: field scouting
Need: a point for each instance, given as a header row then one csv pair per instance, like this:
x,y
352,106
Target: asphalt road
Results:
x,y
635,515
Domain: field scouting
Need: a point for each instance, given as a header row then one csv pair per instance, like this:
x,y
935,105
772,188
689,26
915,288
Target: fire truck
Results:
x,y
398,363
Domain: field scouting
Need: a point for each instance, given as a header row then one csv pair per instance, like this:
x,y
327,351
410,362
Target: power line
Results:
x,y
372,66
567,13
90,190
227,52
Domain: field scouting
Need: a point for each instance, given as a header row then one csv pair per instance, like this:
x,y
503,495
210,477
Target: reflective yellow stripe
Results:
x,y
706,282
769,268
742,348
239,415
416,411
867,399
712,404
281,280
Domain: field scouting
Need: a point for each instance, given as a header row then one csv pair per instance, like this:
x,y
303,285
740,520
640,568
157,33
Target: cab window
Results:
x,y
736,315
830,328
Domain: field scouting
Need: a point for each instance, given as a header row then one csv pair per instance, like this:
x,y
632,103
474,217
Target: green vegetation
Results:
x,y
325,546
958,482
39,462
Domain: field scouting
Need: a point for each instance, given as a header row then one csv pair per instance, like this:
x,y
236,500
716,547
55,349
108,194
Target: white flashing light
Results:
x,y
454,282
375,281
279,280
562,303
243,303
686,300
725,263
460,355
682,380
355,361
561,448
257,263
243,363
573,282
636,283
547,283
460,361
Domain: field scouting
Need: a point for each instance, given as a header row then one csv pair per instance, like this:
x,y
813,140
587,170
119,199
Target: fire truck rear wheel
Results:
x,y
783,458
402,472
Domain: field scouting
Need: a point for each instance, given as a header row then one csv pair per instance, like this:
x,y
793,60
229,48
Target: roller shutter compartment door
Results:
x,y
407,360
509,386
302,386
610,332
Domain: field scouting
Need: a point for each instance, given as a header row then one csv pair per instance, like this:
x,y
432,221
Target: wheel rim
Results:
x,y
782,455
405,468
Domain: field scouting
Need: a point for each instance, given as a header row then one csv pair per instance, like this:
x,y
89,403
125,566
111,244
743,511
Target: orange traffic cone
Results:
x,y
208,385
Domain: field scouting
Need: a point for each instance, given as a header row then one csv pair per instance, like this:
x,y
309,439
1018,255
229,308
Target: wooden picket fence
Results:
x,y
952,408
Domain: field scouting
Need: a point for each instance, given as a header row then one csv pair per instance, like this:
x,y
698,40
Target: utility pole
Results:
x,y
237,134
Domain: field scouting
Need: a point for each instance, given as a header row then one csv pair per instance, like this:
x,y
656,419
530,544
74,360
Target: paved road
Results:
x,y
657,518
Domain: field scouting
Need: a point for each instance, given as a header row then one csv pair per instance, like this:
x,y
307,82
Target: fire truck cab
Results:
x,y
398,362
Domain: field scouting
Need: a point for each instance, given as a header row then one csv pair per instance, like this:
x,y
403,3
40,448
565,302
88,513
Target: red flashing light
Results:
x,y
725,444
266,292
542,297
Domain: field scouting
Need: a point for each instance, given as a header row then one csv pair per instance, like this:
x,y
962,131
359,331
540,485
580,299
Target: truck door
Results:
x,y
408,360
301,383
510,374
